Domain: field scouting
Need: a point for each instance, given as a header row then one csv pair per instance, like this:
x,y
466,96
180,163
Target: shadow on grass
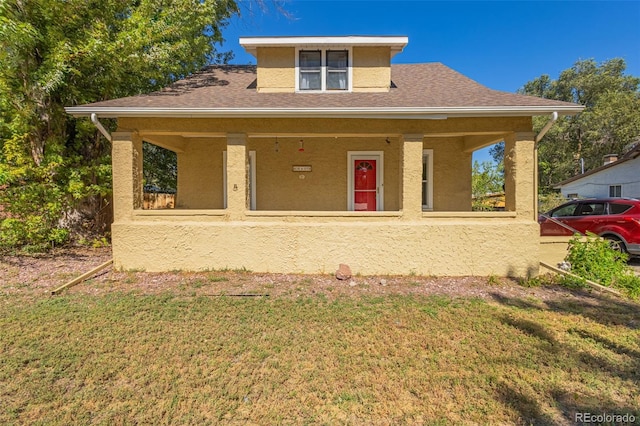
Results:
x,y
575,412
534,329
22,259
587,353
604,309
527,407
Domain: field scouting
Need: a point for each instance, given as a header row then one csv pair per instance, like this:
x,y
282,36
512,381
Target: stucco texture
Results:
x,y
301,225
371,69
200,174
427,247
276,72
325,187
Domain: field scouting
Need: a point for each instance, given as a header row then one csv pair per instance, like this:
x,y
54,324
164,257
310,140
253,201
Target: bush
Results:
x,y
592,258
550,201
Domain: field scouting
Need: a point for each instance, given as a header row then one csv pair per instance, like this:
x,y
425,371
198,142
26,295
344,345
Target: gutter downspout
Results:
x,y
98,124
539,136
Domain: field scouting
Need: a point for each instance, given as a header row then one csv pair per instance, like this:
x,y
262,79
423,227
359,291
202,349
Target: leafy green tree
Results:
x,y
61,53
160,168
609,124
487,179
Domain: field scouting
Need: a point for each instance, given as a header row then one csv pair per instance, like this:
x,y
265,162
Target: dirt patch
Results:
x,y
36,276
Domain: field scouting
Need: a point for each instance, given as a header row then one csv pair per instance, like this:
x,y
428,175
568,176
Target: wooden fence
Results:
x,y
153,201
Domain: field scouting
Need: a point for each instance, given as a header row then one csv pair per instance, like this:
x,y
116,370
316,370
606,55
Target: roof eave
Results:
x,y
591,172
396,43
379,113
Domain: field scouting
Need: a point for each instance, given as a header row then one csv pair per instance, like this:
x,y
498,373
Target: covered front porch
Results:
x,y
274,195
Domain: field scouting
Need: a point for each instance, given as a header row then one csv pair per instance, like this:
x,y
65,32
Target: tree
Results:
x,y
486,179
61,53
160,167
609,124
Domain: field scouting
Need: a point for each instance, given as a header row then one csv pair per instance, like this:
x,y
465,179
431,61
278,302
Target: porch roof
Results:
x,y
430,90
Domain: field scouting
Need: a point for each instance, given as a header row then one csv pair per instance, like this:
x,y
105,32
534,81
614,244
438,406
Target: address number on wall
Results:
x,y
301,168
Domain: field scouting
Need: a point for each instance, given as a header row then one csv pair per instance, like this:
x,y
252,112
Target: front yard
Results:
x,y
234,347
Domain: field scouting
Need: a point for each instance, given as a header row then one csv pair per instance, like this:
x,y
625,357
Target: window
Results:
x,y
572,196
564,211
615,191
323,70
615,208
427,179
310,70
592,209
337,69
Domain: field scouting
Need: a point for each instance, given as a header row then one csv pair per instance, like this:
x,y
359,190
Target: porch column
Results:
x,y
411,169
519,182
126,162
236,175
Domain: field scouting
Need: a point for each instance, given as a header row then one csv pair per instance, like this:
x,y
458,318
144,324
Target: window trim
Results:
x,y
323,68
612,188
428,154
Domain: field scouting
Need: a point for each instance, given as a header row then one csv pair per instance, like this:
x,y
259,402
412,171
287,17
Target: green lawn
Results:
x,y
172,359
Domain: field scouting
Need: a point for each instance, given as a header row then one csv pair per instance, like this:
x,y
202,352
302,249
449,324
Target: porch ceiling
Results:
x,y
175,140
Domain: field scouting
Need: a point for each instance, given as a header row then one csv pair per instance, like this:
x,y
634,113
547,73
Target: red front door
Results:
x,y
365,186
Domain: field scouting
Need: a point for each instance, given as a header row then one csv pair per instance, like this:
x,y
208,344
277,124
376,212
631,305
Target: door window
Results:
x,y
592,209
565,211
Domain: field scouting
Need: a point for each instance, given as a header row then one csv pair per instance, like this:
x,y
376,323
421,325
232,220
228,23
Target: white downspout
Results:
x,y
98,124
539,136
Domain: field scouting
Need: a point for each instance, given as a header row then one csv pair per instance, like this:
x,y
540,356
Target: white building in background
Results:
x,y
616,178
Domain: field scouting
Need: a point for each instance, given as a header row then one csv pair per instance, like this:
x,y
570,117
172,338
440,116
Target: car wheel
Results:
x,y
616,243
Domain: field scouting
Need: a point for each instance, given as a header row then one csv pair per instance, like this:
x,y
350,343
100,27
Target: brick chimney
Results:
x,y
610,158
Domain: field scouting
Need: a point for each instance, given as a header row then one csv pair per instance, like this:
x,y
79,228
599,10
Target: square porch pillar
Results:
x,y
520,175
126,162
237,188
411,169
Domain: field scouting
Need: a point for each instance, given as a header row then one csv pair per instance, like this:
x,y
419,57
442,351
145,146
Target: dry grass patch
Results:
x,y
397,359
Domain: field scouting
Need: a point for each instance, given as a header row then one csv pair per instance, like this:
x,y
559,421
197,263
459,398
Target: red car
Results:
x,y
616,219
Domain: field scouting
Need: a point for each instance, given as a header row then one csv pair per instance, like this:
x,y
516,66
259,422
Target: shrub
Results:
x,y
592,258
550,201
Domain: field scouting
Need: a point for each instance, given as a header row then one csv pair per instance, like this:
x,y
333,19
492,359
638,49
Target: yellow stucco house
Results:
x,y
326,153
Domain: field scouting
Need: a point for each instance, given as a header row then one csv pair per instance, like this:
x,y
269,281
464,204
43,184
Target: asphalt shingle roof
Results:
x,y
431,85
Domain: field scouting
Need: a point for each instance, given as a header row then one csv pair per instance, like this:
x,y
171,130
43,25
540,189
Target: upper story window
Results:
x,y
323,70
310,70
337,70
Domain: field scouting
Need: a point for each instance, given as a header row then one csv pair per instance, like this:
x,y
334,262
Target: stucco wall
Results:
x,y
200,174
325,187
276,69
553,250
400,242
451,174
371,69
426,247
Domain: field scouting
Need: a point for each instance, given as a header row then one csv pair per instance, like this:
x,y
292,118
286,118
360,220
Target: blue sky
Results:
x,y
500,44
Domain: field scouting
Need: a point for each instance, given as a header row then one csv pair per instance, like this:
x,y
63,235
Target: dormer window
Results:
x,y
310,70
323,70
